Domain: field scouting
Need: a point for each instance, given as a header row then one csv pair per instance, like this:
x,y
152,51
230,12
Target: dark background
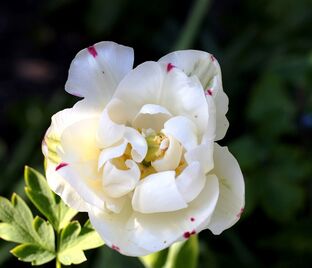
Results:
x,y
265,51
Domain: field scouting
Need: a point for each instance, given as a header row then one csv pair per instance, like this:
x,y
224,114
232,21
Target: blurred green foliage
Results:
x,y
265,51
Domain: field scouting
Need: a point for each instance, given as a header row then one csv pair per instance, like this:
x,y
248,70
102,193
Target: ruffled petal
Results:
x,y
184,96
171,158
96,71
138,144
89,189
158,193
204,66
143,85
136,234
62,188
203,154
112,152
52,150
191,181
182,129
118,182
232,190
151,116
111,126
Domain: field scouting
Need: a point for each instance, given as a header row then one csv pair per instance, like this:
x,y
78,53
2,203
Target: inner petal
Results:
x,y
117,182
138,144
111,152
183,129
151,116
158,193
111,127
171,158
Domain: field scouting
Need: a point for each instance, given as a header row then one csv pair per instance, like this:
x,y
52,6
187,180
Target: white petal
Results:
x,y
157,193
203,154
143,85
191,181
111,152
89,190
137,234
138,143
111,126
151,116
96,71
79,141
182,129
171,158
62,188
232,190
204,66
118,182
51,147
184,96
115,204
222,124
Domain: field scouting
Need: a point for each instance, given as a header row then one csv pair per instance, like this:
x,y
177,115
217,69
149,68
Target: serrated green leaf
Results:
x,y
35,235
74,240
18,216
32,253
48,203
183,254
155,260
45,231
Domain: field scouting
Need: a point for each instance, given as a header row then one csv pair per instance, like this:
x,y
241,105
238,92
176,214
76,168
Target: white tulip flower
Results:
x,y
138,152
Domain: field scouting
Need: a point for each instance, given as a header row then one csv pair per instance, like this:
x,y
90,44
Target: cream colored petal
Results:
x,y
158,193
191,181
182,129
171,158
151,116
136,234
118,183
207,69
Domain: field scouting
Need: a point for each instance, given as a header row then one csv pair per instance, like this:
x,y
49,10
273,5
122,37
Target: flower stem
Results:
x,y
58,264
192,25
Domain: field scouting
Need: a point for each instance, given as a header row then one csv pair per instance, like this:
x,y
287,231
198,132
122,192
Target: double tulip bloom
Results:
x,y
139,151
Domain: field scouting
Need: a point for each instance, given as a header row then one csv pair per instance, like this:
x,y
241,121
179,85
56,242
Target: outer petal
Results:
x,y
158,193
137,234
232,191
204,66
88,189
96,71
51,147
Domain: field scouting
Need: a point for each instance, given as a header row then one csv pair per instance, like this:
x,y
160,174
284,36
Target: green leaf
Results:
x,y
183,254
35,235
74,240
48,203
155,260
32,253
